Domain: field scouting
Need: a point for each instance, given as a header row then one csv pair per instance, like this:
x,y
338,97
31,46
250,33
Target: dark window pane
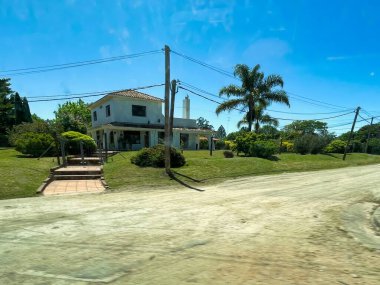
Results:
x,y
139,111
108,110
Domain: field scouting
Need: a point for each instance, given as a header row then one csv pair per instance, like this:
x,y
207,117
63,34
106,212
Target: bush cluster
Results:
x,y
336,146
155,157
244,141
73,140
230,145
310,143
252,145
228,154
263,149
374,146
34,144
287,146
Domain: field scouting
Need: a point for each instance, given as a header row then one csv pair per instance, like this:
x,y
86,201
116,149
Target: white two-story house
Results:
x,y
131,120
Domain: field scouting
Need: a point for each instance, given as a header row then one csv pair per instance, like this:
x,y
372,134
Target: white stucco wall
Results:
x,y
121,111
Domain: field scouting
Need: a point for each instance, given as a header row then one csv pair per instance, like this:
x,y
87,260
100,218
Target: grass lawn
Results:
x,y
20,175
201,169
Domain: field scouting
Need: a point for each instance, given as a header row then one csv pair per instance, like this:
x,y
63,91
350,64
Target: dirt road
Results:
x,y
299,228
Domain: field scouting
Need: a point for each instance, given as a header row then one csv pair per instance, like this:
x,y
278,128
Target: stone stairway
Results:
x,y
79,176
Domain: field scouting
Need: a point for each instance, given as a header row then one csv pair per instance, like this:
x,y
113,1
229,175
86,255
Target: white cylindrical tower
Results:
x,y
186,107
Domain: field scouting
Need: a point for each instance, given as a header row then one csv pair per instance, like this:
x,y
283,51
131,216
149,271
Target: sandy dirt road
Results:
x,y
282,229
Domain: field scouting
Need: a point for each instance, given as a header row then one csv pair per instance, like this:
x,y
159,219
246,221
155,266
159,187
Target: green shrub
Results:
x,y
374,146
310,143
287,146
34,144
203,144
219,144
4,140
336,146
230,145
34,127
244,141
73,140
263,149
228,154
155,157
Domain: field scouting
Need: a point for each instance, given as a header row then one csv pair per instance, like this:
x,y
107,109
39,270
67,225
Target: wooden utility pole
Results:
x,y
172,100
211,144
368,135
352,130
167,104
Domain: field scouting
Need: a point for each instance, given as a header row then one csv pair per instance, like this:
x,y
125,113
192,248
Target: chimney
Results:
x,y
186,108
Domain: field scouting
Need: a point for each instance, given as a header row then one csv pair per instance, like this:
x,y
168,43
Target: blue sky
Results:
x,y
324,50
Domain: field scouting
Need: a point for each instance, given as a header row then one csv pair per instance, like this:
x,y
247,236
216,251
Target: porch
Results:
x,y
116,138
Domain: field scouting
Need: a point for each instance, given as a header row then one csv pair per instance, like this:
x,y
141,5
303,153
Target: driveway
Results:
x,y
298,228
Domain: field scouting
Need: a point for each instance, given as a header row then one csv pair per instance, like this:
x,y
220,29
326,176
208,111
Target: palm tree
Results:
x,y
259,118
256,92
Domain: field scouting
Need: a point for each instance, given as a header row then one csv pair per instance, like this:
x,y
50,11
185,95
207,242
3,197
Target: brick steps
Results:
x,y
77,176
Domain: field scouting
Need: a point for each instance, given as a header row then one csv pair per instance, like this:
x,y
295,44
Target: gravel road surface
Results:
x,y
298,228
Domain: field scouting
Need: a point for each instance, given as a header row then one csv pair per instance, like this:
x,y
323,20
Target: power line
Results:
x,y
231,75
209,66
242,110
94,95
283,112
317,101
303,100
46,68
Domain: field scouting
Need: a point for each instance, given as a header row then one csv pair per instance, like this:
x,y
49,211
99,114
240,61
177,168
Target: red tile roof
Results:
x,y
137,95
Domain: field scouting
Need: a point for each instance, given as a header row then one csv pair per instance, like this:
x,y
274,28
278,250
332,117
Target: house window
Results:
x,y
132,137
138,111
184,138
94,116
161,137
108,110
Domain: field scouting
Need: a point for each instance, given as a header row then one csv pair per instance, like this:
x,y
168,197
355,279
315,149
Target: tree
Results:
x,y
73,116
5,105
256,92
269,132
27,116
204,124
21,111
259,118
302,127
221,133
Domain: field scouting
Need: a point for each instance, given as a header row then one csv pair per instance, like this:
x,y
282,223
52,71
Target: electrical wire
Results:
x,y
231,75
282,112
46,68
94,95
242,110
209,66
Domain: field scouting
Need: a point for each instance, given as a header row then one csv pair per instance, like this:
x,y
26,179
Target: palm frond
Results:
x,y
268,120
231,90
242,71
242,122
277,96
274,80
229,105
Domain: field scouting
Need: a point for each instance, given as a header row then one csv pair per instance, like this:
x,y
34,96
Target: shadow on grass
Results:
x,y
175,178
333,155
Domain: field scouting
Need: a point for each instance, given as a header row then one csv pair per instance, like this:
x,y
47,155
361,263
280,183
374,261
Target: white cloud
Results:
x,y
333,58
279,29
270,48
